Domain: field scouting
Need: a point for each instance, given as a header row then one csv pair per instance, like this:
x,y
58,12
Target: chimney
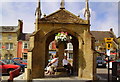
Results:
x,y
20,25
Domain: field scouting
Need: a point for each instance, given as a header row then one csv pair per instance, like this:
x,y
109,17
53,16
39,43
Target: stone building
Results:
x,y
100,45
119,46
9,39
46,28
23,45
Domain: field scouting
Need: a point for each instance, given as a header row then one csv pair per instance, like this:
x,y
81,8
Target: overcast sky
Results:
x,y
104,15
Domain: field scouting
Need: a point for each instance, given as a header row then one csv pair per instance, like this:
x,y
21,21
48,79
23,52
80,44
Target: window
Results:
x,y
10,56
25,55
9,46
9,37
70,46
25,45
6,56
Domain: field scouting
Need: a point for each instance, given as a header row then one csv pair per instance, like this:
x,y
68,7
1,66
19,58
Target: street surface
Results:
x,y
101,72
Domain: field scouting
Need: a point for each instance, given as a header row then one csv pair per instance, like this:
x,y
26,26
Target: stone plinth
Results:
x,y
61,71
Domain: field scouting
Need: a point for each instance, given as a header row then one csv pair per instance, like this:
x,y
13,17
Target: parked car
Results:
x,y
16,62
24,60
6,68
100,62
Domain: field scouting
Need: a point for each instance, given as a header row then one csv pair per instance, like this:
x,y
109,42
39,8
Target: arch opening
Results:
x,y
71,50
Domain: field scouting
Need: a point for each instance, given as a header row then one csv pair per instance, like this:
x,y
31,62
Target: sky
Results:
x,y
104,13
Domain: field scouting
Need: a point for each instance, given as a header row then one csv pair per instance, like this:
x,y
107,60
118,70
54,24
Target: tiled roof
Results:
x,y
100,35
8,28
63,16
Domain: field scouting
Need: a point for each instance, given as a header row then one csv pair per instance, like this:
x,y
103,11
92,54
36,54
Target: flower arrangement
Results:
x,y
63,37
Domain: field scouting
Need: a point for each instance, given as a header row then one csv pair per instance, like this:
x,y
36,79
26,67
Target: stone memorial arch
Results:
x,y
45,29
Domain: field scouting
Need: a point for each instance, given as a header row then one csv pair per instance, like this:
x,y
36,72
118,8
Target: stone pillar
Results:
x,y
87,69
60,70
60,53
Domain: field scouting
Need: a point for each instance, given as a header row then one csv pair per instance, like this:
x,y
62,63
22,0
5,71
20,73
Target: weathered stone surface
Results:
x,y
83,56
63,16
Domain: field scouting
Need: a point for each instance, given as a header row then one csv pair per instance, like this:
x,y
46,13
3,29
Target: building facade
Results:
x,y
100,45
23,46
9,40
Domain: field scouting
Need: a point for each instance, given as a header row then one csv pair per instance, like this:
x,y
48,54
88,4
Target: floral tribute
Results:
x,y
63,37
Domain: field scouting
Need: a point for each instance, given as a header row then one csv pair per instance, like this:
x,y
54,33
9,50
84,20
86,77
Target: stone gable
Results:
x,y
63,16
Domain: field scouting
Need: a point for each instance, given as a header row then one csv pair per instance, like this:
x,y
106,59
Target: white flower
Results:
x,y
62,36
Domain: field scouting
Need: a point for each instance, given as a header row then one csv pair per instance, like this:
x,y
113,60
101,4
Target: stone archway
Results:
x,y
46,27
50,37
83,54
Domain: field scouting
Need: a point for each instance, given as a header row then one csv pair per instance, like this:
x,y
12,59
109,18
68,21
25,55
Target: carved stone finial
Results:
x,y
39,3
87,11
62,4
38,10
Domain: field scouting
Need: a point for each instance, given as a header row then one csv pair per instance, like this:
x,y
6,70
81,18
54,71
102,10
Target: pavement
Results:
x,y
20,77
4,78
57,79
53,79
101,76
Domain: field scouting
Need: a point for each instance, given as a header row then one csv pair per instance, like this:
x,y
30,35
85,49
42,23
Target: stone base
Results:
x,y
61,71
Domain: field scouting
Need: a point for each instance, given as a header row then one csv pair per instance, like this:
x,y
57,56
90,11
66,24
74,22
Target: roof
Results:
x,y
8,28
100,35
63,16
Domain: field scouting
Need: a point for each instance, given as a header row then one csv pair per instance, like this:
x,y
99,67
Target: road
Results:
x,y
101,72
